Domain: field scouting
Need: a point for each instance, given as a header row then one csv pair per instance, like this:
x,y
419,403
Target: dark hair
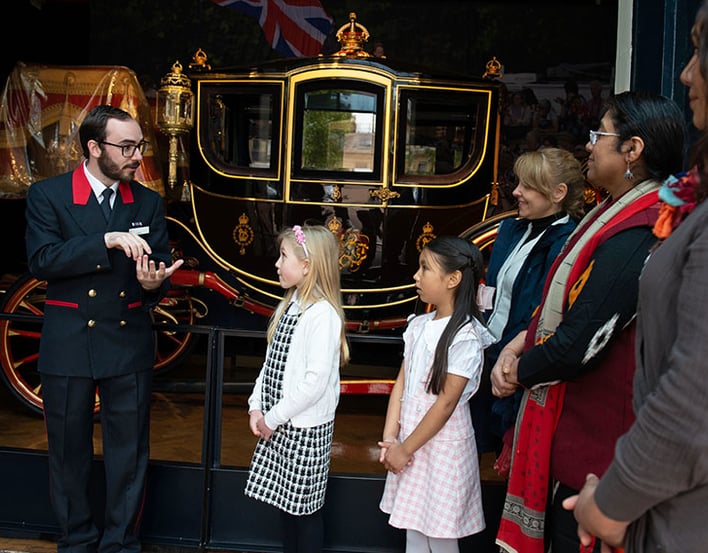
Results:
x,y
571,87
529,96
455,254
93,127
658,121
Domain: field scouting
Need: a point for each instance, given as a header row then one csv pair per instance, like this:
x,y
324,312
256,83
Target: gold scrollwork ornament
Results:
x,y
334,224
353,250
384,195
494,196
353,244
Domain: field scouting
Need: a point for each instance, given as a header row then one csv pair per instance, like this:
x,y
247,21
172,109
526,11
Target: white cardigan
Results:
x,y
311,377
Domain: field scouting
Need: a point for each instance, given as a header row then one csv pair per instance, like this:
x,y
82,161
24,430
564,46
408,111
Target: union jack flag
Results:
x,y
294,28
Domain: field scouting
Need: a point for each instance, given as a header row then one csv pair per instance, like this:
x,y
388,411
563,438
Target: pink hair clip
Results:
x,y
300,238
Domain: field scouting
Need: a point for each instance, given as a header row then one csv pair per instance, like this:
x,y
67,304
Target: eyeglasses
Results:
x,y
129,150
595,136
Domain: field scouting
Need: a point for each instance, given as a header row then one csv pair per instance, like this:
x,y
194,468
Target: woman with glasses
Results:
x,y
653,496
575,362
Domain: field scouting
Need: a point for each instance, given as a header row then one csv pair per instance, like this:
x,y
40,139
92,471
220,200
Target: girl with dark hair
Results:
x,y
428,447
653,495
575,362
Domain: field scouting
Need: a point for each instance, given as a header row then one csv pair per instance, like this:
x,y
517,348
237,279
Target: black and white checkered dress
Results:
x,y
290,470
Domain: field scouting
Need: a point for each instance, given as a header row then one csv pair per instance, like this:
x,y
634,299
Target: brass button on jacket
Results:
x,y
91,323
92,293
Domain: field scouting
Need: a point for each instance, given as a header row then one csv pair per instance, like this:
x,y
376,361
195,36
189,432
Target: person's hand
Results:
x,y
396,457
253,418
150,275
504,374
263,430
584,536
591,521
384,445
133,246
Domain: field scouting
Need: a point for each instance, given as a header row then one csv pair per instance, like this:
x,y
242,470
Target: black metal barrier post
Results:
x,y
212,424
353,521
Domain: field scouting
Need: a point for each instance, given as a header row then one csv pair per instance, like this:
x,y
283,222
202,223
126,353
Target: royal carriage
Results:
x,y
385,154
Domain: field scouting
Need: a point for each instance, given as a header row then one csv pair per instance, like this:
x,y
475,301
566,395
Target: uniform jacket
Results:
x,y
97,319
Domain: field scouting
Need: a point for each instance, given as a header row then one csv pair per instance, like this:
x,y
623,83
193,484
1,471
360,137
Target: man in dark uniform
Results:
x,y
99,239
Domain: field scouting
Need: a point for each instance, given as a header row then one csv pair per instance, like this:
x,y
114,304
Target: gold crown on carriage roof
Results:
x,y
351,37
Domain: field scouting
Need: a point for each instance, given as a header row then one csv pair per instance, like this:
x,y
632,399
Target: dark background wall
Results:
x,y
149,35
448,34
44,31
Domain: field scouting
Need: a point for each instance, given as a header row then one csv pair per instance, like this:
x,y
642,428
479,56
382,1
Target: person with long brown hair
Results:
x,y
433,489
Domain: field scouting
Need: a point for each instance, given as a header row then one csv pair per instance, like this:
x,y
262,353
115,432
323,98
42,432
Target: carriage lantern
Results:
x,y
175,112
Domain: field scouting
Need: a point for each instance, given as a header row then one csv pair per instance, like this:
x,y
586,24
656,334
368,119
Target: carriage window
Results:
x,y
338,129
240,135
442,132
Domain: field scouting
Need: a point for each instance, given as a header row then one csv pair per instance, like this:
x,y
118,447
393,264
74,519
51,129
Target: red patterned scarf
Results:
x,y
523,521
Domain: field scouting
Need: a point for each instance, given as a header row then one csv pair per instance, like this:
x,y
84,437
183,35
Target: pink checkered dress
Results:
x,y
439,494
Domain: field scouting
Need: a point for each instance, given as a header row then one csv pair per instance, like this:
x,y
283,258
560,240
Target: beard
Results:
x,y
123,173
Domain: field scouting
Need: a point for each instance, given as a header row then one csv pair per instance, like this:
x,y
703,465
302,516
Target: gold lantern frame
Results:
x,y
174,113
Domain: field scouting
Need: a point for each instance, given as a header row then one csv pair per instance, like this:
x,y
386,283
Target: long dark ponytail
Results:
x,y
455,254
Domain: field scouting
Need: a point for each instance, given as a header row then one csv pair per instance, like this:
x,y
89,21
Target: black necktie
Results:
x,y
106,203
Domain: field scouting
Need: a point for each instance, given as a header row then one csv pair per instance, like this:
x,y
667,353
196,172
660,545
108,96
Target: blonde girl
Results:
x,y
293,403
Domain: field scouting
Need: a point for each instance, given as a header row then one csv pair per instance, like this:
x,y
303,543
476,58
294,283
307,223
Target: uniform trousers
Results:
x,y
125,420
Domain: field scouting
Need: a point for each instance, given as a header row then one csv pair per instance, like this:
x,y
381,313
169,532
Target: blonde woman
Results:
x,y
550,199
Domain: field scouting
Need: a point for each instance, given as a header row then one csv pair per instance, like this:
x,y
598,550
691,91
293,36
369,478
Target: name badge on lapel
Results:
x,y
137,227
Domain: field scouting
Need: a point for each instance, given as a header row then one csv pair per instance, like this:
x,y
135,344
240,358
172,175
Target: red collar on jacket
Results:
x,y
81,189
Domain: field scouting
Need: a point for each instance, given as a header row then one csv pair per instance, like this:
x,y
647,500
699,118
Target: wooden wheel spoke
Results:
x,y
33,308
31,358
20,340
20,333
172,337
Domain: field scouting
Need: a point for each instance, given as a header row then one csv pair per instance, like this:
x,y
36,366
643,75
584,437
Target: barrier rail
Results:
x,y
202,506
